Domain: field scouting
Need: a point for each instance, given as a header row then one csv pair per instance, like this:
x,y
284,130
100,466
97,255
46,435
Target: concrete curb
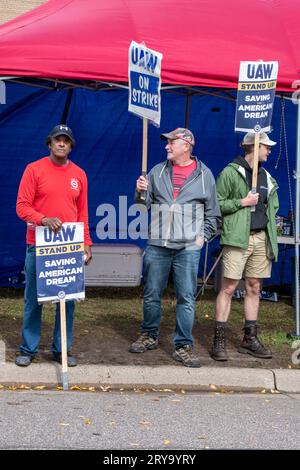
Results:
x,y
287,381
158,377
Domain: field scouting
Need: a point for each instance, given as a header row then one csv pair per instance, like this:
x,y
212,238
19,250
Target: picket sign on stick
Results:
x,y
144,84
254,103
64,356
55,250
255,167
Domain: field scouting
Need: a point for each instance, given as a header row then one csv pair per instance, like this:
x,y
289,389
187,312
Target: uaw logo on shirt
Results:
x,y
74,184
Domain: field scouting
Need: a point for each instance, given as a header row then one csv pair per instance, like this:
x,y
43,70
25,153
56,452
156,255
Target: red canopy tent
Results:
x,y
202,41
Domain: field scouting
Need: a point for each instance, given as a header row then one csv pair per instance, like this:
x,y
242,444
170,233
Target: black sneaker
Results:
x,y
144,342
71,359
23,360
186,356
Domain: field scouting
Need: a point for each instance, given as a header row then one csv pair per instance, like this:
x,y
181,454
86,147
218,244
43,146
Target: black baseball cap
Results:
x,y
61,129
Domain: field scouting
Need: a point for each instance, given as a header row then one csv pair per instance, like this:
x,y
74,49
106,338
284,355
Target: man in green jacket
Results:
x,y
249,242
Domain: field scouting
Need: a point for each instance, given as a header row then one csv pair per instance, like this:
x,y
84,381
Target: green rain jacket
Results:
x,y
231,188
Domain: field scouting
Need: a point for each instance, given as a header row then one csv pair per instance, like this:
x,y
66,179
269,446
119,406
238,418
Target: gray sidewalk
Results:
x,y
156,377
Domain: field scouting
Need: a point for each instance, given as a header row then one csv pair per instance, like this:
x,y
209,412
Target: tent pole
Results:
x,y
297,225
65,113
187,111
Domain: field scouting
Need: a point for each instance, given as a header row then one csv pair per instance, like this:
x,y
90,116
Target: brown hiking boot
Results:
x,y
144,342
252,345
218,352
186,356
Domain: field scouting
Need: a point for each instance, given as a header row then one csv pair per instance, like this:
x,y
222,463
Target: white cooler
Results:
x,y
114,265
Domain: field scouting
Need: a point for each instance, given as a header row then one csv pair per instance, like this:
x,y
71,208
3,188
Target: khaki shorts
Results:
x,y
253,262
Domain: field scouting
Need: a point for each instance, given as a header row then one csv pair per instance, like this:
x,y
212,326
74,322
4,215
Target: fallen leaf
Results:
x,y
213,387
1,386
40,387
145,423
87,421
64,424
75,387
104,388
134,444
24,387
201,437
11,387
176,401
91,389
263,391
167,442
183,392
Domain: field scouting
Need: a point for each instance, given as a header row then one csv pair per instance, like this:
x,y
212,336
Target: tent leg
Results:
x,y
297,226
65,113
187,111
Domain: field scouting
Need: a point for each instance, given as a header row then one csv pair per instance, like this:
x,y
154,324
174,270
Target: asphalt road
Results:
x,y
156,420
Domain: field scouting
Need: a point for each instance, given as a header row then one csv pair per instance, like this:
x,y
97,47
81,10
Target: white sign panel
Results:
x,y
255,96
144,78
60,263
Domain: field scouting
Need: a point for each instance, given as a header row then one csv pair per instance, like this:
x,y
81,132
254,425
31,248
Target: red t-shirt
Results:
x,y
49,190
180,175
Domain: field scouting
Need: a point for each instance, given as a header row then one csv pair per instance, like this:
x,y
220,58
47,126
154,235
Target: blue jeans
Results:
x,y
157,265
31,331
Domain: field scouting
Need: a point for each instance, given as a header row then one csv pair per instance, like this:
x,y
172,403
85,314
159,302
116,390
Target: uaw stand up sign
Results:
x,y
255,97
60,273
254,103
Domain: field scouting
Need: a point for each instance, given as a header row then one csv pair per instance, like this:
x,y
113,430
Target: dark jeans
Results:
x,y
31,330
157,265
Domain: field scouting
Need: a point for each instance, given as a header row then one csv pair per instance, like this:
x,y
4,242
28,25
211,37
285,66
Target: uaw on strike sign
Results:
x,y
255,97
60,263
144,82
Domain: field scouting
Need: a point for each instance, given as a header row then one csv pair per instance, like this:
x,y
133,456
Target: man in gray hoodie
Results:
x,y
181,195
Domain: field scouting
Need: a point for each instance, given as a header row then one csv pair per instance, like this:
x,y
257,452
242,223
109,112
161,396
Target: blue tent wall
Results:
x,y
109,148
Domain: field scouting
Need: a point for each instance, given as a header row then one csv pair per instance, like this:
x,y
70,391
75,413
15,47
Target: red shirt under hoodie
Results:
x,y
50,190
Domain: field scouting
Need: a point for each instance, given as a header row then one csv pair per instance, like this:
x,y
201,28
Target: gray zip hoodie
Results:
x,y
194,213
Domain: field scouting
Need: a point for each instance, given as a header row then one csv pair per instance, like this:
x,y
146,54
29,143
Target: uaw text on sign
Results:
x,y
255,96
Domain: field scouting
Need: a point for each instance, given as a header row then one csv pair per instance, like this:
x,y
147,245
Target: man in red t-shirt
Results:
x,y
53,190
180,194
